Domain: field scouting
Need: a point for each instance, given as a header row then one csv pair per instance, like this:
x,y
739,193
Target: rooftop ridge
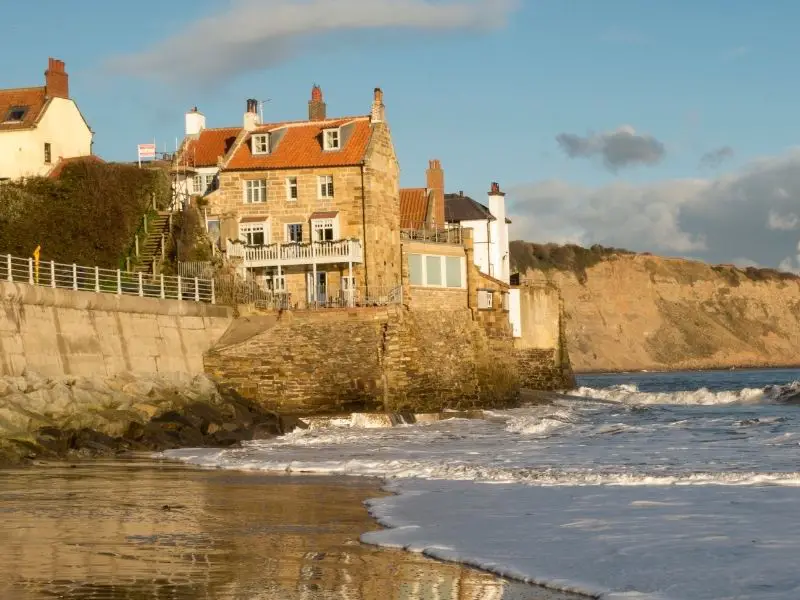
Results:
x,y
32,88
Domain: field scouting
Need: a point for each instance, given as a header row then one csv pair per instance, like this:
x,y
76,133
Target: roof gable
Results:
x,y
300,145
206,149
458,207
33,100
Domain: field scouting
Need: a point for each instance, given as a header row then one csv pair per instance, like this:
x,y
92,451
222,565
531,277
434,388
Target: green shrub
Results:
x,y
87,216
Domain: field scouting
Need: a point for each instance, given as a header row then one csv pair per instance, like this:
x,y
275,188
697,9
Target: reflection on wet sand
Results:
x,y
140,531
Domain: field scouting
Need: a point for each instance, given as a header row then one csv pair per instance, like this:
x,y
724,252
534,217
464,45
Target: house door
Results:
x,y
317,291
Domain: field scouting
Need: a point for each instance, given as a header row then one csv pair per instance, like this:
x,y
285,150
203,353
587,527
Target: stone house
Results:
x,y
41,126
309,209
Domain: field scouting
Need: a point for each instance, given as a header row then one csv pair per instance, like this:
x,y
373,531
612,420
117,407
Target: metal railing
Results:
x,y
424,232
296,253
107,281
195,268
358,297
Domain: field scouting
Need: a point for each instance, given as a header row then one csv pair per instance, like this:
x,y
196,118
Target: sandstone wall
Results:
x,y
632,312
389,358
62,332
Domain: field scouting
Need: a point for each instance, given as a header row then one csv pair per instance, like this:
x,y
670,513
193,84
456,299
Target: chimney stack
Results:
x,y
56,79
435,185
378,108
195,122
251,118
316,106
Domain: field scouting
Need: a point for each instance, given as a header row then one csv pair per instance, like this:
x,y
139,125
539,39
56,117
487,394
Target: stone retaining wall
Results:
x,y
363,360
58,332
540,369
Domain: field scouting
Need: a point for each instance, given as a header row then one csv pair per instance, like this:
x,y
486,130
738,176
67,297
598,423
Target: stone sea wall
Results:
x,y
361,360
58,332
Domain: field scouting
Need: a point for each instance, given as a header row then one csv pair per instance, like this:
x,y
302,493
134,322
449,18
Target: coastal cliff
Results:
x,y
626,311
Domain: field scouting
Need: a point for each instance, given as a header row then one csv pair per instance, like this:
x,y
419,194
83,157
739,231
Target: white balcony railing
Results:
x,y
273,255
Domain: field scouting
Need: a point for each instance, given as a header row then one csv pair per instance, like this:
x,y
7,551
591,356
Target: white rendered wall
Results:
x,y
480,235
499,238
62,126
514,312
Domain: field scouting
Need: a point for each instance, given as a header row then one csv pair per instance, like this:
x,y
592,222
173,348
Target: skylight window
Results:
x,y
16,114
331,139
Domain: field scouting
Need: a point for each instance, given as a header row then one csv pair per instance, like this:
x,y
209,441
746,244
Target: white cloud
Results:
x,y
250,35
622,147
749,213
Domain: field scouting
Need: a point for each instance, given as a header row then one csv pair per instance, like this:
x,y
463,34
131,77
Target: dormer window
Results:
x,y
331,139
16,114
260,143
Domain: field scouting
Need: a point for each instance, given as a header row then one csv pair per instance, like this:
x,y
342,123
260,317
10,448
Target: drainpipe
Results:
x,y
364,230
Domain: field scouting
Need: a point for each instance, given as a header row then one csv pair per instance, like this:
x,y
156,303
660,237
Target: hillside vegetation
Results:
x,y
87,216
627,311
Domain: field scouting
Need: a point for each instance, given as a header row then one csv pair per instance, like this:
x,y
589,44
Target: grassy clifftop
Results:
x,y
87,216
528,256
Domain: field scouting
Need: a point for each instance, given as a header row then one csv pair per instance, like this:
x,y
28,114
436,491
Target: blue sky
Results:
x,y
487,86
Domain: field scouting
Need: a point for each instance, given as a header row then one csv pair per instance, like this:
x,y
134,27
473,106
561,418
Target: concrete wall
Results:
x,y
62,126
62,332
540,310
359,360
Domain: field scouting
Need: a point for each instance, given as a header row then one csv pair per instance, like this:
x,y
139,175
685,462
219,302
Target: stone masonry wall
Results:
x,y
58,332
380,359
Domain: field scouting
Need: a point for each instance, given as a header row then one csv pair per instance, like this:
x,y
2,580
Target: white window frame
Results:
x,y
325,188
197,184
323,224
485,300
249,195
259,144
252,227
332,139
291,184
275,283
443,285
286,235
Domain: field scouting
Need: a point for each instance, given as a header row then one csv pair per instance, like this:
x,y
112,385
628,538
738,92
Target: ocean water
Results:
x,y
635,486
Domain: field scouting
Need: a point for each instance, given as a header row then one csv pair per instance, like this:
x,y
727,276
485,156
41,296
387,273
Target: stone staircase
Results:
x,y
158,232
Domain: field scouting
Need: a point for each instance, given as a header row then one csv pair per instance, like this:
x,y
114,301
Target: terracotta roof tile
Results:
x,y
413,207
300,145
32,99
204,150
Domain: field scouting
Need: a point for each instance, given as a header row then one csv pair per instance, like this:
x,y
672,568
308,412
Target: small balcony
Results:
x,y
286,255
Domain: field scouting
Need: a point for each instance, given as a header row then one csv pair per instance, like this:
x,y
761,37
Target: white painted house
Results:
x,y
41,126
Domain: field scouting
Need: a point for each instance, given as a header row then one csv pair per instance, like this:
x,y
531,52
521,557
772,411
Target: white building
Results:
x,y
40,126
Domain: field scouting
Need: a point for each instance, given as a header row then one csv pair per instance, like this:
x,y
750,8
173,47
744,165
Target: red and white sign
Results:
x,y
147,151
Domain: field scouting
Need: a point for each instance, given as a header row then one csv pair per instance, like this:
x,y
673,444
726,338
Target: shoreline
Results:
x,y
162,527
688,370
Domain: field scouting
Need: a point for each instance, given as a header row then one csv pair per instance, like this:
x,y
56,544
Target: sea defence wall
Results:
x,y
58,332
386,358
541,350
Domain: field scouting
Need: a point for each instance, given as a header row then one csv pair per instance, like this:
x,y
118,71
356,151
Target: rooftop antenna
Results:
x,y
261,109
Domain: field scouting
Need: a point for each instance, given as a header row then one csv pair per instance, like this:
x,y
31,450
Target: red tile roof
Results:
x,y
301,146
204,150
56,171
33,99
413,207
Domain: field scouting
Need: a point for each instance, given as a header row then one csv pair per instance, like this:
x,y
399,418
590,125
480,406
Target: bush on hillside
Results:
x,y
88,216
569,257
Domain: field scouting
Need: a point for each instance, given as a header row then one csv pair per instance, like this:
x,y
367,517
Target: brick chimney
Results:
x,y
251,118
435,184
378,108
316,106
56,79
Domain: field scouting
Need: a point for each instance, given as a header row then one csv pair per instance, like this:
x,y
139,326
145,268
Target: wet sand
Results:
x,y
136,530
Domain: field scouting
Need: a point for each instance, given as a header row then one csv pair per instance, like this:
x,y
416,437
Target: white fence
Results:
x,y
94,279
297,254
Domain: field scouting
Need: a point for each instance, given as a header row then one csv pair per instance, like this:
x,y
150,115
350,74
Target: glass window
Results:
x,y
291,188
433,268
453,271
255,191
326,186
197,184
415,269
48,153
294,232
324,230
253,234
261,144
331,139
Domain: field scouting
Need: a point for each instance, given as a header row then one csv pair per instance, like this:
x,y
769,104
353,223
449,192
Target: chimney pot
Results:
x,y
317,108
56,79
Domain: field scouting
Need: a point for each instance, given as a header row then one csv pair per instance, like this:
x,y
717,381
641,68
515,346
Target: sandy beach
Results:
x,y
113,530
